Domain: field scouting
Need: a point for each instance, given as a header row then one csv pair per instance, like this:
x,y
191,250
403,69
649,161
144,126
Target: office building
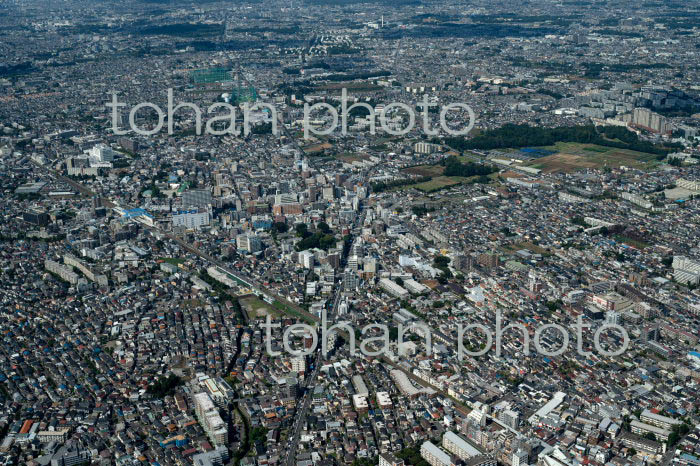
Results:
x,y
36,217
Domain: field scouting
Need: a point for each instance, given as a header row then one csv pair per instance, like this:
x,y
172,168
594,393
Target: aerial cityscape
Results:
x,y
350,232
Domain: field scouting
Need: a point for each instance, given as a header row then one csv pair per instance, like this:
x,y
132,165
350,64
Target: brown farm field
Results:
x,y
439,182
352,157
357,86
424,170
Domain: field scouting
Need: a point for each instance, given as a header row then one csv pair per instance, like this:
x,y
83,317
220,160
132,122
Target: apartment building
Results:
x,y
434,455
209,418
658,420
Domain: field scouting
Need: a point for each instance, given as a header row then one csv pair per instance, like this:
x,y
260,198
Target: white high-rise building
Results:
x,y
101,153
299,364
685,270
691,185
520,458
209,418
510,418
613,317
248,243
306,259
191,219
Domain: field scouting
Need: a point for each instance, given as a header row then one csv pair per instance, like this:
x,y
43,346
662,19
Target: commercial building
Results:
x,y
191,219
612,302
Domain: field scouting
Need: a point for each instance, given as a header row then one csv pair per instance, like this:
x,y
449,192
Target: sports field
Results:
x,y
255,307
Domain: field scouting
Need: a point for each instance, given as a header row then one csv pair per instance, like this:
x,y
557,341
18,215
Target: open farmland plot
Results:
x,y
574,156
352,157
424,170
439,183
